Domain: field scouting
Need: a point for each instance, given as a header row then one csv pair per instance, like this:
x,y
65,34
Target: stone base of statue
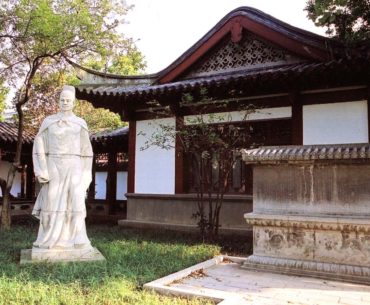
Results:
x,y
36,255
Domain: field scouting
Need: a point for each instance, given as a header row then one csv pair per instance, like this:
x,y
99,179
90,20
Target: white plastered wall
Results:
x,y
101,185
154,166
337,123
237,116
121,185
16,188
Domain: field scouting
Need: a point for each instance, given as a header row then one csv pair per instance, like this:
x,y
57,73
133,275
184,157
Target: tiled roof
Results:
x,y
117,133
268,154
8,134
301,73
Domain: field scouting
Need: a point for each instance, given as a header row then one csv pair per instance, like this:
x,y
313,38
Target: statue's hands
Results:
x,y
42,179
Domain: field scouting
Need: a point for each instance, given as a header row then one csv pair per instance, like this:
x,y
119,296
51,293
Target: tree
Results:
x,y
127,62
44,102
3,94
348,20
98,119
41,34
212,143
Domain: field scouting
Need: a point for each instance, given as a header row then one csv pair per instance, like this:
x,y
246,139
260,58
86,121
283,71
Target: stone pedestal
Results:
x,y
311,211
35,255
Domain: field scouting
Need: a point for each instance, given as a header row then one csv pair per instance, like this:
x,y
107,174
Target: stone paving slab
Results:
x,y
223,280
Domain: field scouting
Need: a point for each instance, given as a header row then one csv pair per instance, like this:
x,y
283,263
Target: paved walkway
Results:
x,y
229,283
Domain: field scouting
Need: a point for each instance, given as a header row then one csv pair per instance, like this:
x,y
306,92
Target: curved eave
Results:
x,y
301,75
152,76
301,42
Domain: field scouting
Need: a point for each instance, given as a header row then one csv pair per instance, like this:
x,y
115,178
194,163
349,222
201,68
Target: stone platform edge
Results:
x,y
137,224
162,285
322,222
328,271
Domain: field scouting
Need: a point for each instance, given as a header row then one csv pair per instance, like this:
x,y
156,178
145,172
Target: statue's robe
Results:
x,y
62,158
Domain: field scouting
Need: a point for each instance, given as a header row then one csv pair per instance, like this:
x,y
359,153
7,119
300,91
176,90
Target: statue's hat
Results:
x,y
69,89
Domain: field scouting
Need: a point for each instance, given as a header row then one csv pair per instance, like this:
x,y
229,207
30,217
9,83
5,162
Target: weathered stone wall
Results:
x,y
311,211
177,211
315,189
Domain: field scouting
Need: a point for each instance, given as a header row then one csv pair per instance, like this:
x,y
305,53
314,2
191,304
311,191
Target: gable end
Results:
x,y
247,54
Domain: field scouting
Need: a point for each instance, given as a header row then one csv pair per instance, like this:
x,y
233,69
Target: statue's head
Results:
x,y
67,98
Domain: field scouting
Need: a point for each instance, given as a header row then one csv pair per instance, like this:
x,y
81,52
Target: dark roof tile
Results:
x,y
268,154
9,134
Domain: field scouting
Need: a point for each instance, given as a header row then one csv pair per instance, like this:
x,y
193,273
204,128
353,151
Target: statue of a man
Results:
x,y
62,159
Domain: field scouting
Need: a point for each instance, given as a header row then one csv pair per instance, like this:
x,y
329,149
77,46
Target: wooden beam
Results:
x,y
179,159
91,190
335,96
297,119
112,181
30,181
23,181
131,157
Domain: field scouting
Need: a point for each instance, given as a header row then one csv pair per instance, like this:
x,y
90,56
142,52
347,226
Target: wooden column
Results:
x,y
112,181
368,113
297,119
91,190
131,157
179,159
30,181
23,181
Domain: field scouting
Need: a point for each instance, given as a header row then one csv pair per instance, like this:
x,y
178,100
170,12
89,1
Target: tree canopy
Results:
x,y
53,34
347,20
3,94
36,39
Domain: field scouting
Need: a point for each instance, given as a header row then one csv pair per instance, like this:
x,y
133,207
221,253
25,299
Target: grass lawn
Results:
x,y
132,259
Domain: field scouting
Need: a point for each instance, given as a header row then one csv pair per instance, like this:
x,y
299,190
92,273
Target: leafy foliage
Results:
x,y
348,20
36,39
97,119
130,62
3,94
46,88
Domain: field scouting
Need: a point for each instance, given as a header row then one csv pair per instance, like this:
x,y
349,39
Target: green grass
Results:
x,y
132,259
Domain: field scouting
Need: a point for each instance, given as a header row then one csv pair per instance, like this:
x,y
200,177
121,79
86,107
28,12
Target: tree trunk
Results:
x,y
6,209
6,219
23,98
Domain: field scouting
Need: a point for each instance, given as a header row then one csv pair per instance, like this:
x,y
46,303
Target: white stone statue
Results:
x,y
62,159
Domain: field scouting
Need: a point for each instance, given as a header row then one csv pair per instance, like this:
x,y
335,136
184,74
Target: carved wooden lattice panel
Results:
x,y
101,160
248,53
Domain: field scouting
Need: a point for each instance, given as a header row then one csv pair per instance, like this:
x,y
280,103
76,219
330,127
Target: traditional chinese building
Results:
x,y
309,90
106,196
23,189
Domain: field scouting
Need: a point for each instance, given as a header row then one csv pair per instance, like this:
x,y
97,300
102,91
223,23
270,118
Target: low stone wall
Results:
x,y
20,208
311,211
176,212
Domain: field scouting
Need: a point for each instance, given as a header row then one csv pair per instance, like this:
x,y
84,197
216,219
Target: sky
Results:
x,y
165,29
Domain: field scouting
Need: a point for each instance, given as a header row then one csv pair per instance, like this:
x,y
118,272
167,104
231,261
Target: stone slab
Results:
x,y
60,255
223,280
321,246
